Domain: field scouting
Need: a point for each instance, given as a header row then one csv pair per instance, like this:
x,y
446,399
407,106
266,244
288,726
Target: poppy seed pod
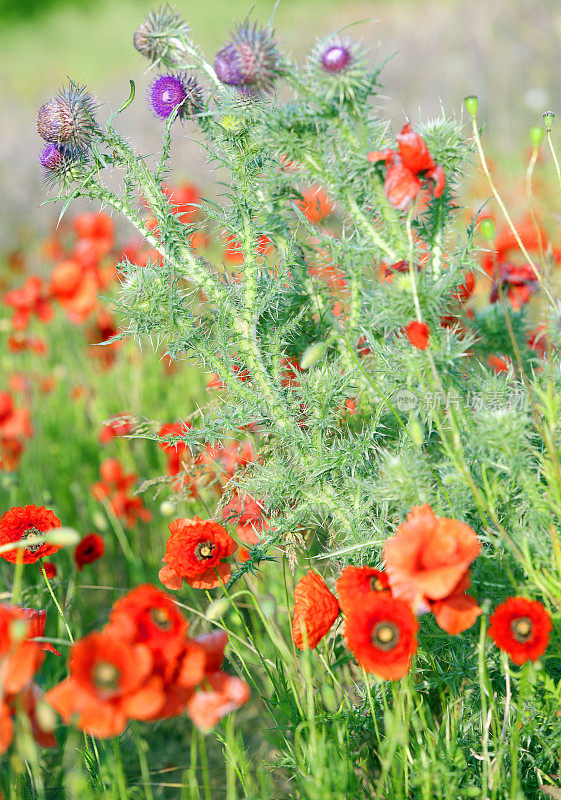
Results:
x,y
250,61
69,119
159,37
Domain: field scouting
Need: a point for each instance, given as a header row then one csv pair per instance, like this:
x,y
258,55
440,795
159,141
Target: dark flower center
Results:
x,y
522,629
385,635
376,584
161,618
27,534
204,550
106,676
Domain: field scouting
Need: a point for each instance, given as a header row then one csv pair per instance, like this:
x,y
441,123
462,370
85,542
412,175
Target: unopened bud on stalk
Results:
x,y
548,118
536,135
472,104
312,355
60,168
160,37
487,228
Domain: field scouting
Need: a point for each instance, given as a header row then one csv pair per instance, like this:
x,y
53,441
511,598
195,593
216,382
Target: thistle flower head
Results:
x,y
336,57
69,119
61,168
172,90
250,60
337,67
160,37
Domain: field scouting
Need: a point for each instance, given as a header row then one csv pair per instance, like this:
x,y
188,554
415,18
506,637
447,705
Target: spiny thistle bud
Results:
x,y
170,91
69,119
338,68
249,61
60,168
160,37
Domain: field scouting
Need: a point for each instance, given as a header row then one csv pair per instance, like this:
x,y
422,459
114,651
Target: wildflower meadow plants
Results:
x,y
363,569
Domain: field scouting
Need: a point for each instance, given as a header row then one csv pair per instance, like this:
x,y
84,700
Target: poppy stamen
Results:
x,y
385,635
106,676
204,550
161,618
522,629
28,534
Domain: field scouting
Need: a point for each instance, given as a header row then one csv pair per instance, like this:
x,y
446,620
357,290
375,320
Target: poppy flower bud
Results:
x,y
159,37
472,104
172,91
250,61
68,120
487,228
548,118
536,135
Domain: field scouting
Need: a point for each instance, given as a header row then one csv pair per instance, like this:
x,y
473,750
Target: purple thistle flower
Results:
x,y
50,156
68,119
173,90
60,166
336,58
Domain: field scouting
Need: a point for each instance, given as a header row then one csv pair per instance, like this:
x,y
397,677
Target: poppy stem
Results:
x,y
57,604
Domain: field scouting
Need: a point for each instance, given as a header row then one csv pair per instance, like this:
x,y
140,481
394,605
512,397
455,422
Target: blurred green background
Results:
x,y
505,51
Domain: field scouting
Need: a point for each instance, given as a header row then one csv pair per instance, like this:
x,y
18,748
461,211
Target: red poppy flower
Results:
x,y
522,628
115,428
129,509
174,450
146,615
75,288
11,451
194,551
27,701
406,167
20,523
102,329
184,200
315,611
315,205
413,151
110,682
499,364
37,623
19,343
519,282
6,727
219,695
90,549
31,298
428,556
458,611
355,583
418,334
381,632
15,423
96,226
50,569
20,658
401,185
